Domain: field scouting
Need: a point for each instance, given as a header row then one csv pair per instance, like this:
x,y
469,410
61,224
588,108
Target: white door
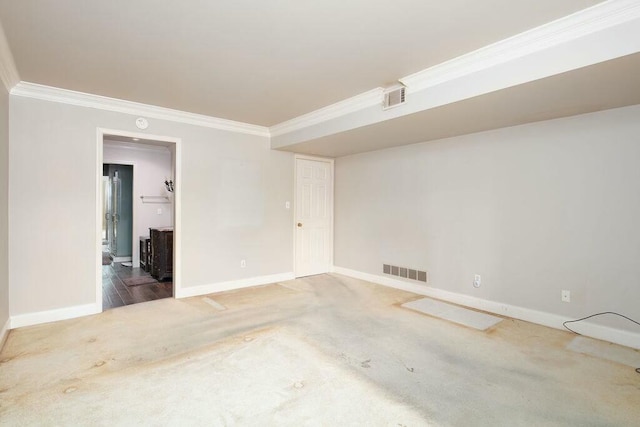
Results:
x,y
314,216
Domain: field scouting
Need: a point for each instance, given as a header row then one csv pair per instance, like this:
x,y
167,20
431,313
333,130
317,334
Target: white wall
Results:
x,y
233,208
534,209
151,166
4,209
234,190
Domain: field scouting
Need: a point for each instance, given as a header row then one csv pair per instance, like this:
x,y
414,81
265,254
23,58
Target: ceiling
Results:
x,y
256,62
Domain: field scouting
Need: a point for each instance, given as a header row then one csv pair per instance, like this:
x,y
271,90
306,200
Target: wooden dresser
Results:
x,y
161,256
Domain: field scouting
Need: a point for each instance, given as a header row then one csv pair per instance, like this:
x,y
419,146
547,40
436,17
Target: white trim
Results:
x,y
176,154
592,330
177,203
331,162
339,109
137,146
8,71
54,315
232,284
48,93
315,158
4,333
580,24
99,207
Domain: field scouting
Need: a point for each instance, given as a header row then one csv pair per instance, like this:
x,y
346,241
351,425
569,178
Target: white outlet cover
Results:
x,y
477,281
566,296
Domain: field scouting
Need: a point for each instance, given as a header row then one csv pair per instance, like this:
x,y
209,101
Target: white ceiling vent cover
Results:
x,y
394,96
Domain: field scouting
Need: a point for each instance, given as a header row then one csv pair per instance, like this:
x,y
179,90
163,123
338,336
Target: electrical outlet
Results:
x,y
566,296
243,263
477,281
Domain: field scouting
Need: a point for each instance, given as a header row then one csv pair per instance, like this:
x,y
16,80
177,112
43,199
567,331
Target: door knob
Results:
x,y
299,224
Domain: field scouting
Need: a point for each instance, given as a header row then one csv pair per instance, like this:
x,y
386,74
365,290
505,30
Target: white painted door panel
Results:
x,y
314,210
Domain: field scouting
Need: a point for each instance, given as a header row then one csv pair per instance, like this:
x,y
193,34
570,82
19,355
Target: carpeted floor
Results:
x,y
323,350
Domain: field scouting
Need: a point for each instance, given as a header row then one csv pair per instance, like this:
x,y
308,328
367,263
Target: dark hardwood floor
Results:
x,y
116,294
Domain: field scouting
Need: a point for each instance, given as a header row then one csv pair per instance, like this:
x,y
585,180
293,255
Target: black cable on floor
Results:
x,y
599,314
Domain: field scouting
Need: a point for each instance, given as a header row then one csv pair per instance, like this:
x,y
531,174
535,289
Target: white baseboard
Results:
x,y
37,318
232,284
30,319
592,330
4,333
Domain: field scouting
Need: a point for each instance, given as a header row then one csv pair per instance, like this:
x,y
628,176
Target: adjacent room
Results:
x,y
402,213
137,218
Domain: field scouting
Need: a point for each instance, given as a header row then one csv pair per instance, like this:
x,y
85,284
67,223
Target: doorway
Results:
x,y
140,195
313,215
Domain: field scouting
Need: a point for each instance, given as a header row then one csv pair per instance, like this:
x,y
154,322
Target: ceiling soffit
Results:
x,y
553,48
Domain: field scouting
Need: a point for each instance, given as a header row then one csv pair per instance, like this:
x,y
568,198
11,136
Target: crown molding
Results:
x,y
347,106
64,96
8,71
580,24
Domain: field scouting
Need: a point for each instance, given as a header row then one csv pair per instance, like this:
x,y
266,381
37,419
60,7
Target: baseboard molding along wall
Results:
x,y
37,318
4,333
617,336
31,319
233,284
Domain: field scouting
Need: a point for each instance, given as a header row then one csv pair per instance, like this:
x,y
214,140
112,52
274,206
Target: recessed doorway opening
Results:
x,y
138,219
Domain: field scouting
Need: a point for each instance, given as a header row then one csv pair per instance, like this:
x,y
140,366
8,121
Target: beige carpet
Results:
x,y
326,350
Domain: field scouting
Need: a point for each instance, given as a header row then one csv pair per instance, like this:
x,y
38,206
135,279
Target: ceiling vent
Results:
x,y
394,96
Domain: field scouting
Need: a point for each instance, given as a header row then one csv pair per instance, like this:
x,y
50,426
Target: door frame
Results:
x,y
331,162
176,150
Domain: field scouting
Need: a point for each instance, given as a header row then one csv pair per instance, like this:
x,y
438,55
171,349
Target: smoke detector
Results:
x,y
394,96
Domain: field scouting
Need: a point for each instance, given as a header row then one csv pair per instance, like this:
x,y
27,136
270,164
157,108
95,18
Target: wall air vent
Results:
x,y
394,96
407,273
